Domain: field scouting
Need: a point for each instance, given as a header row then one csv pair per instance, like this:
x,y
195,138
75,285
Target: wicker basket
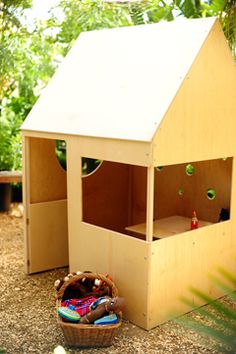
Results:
x,y
87,335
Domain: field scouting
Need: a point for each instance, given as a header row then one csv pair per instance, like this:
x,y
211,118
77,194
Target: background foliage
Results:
x,y
29,55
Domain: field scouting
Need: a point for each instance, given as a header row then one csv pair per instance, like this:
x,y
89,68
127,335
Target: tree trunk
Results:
x,y
5,196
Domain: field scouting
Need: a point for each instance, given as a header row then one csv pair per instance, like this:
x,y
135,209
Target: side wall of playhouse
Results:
x,y
199,127
200,123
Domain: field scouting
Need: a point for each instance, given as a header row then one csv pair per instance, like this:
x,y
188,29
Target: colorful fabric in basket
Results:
x,y
98,301
81,306
68,314
109,319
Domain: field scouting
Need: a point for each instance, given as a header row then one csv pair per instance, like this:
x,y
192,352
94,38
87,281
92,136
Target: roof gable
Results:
x,y
200,123
119,83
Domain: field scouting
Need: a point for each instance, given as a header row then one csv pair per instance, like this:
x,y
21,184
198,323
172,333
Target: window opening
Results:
x,y
89,165
115,197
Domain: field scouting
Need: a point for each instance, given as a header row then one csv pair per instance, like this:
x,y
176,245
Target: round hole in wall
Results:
x,y
60,150
90,165
211,193
189,169
159,168
180,191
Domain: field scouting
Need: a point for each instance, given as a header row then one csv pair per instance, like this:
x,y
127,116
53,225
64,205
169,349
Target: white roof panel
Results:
x,y
118,83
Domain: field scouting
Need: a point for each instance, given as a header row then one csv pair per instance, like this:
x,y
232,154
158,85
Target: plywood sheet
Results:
x,y
126,91
47,178
130,152
47,233
176,193
187,260
125,258
138,195
200,124
169,226
123,151
105,196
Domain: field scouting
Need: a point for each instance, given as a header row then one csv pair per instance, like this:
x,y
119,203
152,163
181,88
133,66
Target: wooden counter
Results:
x,y
167,226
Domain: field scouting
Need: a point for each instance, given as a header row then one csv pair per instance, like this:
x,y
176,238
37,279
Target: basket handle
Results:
x,y
87,275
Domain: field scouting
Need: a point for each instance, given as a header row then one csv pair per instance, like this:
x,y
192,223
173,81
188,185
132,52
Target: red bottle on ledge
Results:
x,y
194,221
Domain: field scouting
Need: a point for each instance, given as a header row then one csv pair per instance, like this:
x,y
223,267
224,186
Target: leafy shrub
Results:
x,y
10,147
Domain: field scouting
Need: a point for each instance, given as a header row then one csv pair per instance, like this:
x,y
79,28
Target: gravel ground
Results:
x,y
28,316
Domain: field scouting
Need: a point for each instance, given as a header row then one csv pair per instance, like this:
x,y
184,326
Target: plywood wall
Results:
x,y
215,174
138,194
200,123
47,177
114,196
45,205
168,201
47,236
123,257
106,196
185,261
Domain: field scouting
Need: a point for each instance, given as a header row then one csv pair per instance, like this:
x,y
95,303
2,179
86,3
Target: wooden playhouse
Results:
x,y
155,105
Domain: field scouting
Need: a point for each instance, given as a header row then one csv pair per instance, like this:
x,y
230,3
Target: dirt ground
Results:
x,y
28,315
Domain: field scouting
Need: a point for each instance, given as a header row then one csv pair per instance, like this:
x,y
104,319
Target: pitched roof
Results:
x,y
118,83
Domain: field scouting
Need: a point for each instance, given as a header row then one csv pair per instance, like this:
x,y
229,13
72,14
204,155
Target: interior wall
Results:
x,y
138,195
106,196
47,177
215,174
170,180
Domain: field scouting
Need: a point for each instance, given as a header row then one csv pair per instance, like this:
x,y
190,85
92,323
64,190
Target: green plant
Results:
x,y
10,147
27,61
217,320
